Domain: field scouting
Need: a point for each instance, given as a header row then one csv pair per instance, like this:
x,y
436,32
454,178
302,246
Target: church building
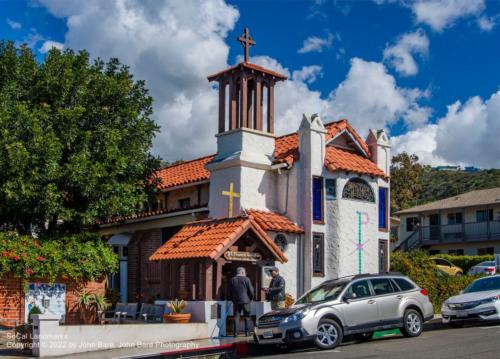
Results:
x,y
314,203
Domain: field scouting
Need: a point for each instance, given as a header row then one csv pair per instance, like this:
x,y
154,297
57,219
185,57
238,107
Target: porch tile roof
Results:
x,y
211,238
272,221
337,159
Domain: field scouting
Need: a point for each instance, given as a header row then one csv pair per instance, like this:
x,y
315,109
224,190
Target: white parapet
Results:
x,y
52,339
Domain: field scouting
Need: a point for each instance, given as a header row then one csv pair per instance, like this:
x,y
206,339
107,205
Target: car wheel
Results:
x,y
363,337
458,274
328,334
412,323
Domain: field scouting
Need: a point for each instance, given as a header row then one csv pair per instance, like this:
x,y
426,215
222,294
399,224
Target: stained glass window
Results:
x,y
356,188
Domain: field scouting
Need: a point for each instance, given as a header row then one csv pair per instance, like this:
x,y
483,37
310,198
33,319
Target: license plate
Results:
x,y
462,314
267,335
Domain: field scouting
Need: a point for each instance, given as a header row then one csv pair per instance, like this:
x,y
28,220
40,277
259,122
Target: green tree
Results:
x,y
406,181
75,140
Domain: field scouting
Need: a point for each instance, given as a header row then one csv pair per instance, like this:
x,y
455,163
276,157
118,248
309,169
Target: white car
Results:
x,y
487,267
480,301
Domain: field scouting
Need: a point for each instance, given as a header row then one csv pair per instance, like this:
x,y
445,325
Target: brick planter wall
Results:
x,y
12,299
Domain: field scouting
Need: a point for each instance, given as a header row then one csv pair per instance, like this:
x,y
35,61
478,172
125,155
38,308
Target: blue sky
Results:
x,y
427,71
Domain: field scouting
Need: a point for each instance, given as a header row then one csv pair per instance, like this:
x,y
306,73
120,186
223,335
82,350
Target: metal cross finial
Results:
x,y
246,41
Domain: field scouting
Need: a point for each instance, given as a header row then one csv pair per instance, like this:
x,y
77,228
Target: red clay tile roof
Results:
x,y
272,221
337,159
211,238
184,173
250,66
287,147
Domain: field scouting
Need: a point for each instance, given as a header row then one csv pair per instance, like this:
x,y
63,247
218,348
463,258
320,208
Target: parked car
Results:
x,y
487,267
447,267
480,301
356,305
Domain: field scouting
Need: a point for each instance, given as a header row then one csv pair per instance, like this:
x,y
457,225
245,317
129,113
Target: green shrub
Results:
x,y
421,269
466,262
79,257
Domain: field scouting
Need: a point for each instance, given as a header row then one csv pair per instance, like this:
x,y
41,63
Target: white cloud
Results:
x,y
486,23
173,46
421,142
49,44
308,74
440,14
316,44
466,135
14,24
400,55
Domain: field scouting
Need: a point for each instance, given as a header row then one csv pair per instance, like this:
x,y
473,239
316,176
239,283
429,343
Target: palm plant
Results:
x,y
177,306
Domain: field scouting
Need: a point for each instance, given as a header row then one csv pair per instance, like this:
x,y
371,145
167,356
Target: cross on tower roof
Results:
x,y
247,41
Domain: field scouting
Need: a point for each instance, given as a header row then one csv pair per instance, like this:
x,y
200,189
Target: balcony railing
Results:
x,y
473,231
450,233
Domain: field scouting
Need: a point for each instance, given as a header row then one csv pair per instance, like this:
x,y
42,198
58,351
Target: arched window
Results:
x,y
281,242
357,188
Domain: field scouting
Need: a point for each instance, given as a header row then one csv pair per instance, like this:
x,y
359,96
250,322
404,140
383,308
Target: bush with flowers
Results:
x,y
77,257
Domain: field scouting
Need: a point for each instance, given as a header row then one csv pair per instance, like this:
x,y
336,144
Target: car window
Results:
x,y
484,284
382,286
360,289
326,291
440,262
403,284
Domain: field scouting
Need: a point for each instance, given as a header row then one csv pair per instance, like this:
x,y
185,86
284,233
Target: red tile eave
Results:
x,y
147,214
272,221
189,172
250,66
268,242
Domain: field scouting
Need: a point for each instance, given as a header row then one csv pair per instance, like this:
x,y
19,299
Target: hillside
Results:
x,y
442,184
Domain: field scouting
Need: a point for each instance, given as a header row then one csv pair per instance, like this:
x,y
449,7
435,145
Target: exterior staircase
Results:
x,y
413,242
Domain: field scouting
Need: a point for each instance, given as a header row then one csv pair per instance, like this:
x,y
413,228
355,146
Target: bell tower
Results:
x,y
242,91
245,138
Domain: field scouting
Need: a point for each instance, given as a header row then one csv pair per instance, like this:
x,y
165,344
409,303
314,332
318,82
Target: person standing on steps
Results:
x,y
276,291
242,294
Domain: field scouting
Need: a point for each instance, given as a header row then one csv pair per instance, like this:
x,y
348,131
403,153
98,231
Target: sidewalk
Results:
x,y
241,345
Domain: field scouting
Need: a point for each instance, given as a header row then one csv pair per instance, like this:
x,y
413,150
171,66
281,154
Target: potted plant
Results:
x,y
86,307
100,303
177,315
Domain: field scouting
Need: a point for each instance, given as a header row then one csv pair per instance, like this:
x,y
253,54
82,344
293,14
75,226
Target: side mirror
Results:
x,y
349,296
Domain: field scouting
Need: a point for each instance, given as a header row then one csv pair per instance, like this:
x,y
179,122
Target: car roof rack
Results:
x,y
368,275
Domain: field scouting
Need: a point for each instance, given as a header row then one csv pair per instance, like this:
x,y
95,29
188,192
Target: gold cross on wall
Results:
x,y
231,194
246,41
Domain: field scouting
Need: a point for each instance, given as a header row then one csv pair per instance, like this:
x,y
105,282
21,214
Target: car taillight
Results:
x,y
489,270
423,291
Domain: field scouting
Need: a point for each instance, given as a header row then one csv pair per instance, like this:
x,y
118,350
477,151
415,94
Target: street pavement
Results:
x,y
441,343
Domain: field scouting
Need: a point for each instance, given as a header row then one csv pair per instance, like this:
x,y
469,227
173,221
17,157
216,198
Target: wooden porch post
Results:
x,y
208,278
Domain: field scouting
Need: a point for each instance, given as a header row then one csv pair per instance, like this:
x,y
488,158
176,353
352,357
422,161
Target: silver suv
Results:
x,y
356,305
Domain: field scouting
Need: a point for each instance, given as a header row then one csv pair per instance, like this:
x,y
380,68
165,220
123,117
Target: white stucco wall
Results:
x,y
342,232
290,270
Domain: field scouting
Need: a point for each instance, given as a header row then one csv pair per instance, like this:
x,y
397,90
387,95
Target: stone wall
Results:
x,y
12,299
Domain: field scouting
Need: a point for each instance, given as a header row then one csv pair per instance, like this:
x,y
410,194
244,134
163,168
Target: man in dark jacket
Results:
x,y
276,291
242,294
